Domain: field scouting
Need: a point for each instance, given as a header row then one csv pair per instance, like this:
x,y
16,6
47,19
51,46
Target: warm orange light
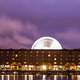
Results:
x,y
44,67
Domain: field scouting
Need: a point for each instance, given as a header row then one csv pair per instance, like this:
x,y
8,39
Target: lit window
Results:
x,y
7,66
13,58
44,67
54,58
26,65
7,62
37,51
24,62
54,62
49,55
31,66
55,67
16,55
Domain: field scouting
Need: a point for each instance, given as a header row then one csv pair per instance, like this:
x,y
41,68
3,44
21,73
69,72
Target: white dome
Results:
x,y
46,43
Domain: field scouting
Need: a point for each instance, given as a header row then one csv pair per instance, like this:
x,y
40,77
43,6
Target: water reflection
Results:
x,y
30,77
39,77
8,77
44,77
25,77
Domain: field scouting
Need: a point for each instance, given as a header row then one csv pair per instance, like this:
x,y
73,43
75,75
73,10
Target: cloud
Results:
x,y
16,34
70,38
40,8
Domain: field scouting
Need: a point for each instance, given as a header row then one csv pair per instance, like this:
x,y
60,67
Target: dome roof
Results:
x,y
46,43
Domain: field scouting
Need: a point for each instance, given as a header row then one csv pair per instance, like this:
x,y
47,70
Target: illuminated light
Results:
x,y
7,66
46,43
13,58
7,62
49,55
25,62
31,66
26,65
44,67
60,66
37,74
14,72
54,58
78,66
54,62
55,67
16,55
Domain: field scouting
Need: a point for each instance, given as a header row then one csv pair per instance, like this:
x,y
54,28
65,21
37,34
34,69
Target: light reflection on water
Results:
x,y
39,77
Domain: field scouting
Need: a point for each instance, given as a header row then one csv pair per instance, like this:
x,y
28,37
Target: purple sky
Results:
x,y
24,21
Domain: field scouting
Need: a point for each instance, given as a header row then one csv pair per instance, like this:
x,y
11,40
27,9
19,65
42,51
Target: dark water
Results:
x,y
39,77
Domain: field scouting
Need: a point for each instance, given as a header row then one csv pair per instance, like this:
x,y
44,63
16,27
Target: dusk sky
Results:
x,y
24,21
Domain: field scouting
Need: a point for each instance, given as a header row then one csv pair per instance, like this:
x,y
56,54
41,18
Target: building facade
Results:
x,y
23,59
